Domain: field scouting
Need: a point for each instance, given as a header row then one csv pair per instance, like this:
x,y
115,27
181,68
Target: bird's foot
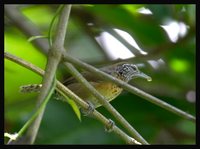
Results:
x,y
109,126
89,110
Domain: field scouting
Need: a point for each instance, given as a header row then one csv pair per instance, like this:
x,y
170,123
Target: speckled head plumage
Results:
x,y
125,71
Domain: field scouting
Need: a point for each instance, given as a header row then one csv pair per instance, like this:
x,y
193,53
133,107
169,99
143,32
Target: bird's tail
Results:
x,y
30,88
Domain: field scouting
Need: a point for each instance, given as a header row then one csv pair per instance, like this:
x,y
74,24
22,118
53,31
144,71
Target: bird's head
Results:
x,y
126,72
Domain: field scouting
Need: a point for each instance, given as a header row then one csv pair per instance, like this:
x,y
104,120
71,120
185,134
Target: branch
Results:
x,y
130,88
54,57
79,101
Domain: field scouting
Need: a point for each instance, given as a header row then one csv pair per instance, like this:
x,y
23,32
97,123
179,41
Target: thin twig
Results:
x,y
69,93
129,88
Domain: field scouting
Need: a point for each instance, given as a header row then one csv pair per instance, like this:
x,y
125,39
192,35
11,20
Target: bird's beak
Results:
x,y
142,75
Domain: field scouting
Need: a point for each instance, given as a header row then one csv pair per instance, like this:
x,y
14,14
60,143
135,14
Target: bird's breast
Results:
x,y
107,89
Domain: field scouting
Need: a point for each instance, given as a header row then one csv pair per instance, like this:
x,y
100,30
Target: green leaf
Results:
x,y
72,104
75,108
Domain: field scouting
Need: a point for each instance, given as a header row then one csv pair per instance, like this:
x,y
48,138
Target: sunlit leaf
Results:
x,y
179,65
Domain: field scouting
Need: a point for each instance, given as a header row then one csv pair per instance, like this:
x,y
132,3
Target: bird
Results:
x,y
123,71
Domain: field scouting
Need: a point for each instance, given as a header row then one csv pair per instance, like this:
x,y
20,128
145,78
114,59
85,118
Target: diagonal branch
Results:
x,y
78,100
130,88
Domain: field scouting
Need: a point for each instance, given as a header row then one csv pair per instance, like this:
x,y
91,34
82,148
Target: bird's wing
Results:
x,y
87,75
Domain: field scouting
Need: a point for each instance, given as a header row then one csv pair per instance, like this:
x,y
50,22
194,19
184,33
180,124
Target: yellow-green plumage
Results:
x,y
122,71
110,91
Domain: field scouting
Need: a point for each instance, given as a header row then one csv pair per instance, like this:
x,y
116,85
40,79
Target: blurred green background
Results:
x,y
172,68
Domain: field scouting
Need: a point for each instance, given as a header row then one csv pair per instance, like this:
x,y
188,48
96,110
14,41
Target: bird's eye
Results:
x,y
120,72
